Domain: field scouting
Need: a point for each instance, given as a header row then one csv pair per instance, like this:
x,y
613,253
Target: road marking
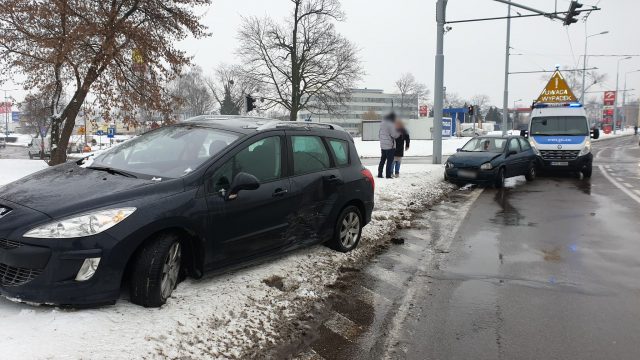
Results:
x,y
637,191
618,185
342,326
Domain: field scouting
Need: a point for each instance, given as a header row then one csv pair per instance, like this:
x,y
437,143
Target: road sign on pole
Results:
x,y
111,132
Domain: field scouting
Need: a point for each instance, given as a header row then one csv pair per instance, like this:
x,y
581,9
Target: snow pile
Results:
x,y
368,149
238,314
13,169
623,132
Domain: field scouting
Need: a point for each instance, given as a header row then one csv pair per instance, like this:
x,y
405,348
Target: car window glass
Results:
x,y
170,152
341,150
524,144
495,145
309,154
514,145
261,159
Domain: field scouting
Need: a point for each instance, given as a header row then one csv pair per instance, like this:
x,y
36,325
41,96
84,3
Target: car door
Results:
x,y
315,183
528,154
514,161
256,220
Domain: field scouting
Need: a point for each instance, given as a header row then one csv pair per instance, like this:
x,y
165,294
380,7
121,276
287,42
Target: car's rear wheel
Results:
x,y
499,180
532,172
348,230
156,271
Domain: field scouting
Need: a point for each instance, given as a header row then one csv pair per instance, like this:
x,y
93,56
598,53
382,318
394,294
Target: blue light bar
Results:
x,y
546,105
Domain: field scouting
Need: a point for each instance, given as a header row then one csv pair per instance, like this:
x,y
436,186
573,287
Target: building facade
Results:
x,y
365,104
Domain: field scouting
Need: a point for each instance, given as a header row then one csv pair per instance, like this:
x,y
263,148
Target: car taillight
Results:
x,y
369,177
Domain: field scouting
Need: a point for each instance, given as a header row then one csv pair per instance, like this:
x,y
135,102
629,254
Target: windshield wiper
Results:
x,y
111,170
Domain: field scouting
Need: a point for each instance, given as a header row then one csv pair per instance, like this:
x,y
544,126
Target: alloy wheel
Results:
x,y
350,230
171,270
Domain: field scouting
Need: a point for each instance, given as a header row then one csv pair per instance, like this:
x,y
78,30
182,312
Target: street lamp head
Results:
x,y
604,32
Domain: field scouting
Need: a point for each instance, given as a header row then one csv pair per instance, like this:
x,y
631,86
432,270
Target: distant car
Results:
x,y
489,160
177,201
3,143
471,132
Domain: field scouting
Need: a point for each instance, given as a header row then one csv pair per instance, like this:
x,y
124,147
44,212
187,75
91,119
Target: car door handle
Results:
x,y
280,192
332,179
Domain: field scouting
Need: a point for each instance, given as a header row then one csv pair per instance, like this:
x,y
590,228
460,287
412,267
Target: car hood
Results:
x,y
70,189
463,159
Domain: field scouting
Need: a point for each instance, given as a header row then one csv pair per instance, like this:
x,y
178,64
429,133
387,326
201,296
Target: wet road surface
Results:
x,y
543,270
14,152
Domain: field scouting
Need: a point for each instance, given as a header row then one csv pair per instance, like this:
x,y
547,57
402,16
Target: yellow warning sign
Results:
x,y
557,91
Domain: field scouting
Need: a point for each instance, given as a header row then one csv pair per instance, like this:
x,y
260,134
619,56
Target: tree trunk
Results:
x,y
68,118
293,115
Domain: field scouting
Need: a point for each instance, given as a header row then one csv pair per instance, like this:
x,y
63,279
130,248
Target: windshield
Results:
x,y
494,145
559,125
168,152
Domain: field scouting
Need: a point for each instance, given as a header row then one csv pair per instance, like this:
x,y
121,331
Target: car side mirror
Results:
x,y
595,133
458,149
524,133
242,181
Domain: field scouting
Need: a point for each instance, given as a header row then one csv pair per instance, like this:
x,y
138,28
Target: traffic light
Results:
x,y
570,18
470,109
251,103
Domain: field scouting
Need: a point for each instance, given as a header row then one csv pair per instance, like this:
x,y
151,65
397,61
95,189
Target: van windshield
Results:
x,y
559,125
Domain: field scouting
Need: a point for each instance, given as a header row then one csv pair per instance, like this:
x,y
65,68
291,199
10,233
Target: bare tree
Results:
x,y
302,63
192,93
481,101
370,115
229,86
411,91
121,51
35,117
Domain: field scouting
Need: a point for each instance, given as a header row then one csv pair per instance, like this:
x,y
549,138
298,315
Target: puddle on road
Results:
x,y
508,215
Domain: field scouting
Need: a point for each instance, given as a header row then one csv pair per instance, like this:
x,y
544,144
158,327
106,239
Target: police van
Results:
x,y
560,131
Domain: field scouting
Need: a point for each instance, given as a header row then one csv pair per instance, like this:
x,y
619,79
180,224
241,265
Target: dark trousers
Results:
x,y
386,157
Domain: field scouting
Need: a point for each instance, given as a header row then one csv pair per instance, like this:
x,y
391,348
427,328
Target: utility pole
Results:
x,y
615,104
438,89
505,100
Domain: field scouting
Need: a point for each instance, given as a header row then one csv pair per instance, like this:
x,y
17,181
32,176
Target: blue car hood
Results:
x,y
464,159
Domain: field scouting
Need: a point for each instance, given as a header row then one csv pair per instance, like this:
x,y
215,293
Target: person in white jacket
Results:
x,y
387,135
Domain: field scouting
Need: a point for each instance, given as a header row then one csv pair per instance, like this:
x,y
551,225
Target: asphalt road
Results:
x,y
547,270
14,152
543,270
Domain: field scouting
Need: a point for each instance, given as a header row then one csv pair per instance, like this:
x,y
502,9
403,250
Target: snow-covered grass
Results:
x,y
367,149
623,132
233,315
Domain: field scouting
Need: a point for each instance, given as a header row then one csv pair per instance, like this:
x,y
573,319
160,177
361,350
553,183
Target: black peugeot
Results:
x,y
180,200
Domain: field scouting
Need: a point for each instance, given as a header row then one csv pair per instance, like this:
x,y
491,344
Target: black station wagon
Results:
x,y
177,201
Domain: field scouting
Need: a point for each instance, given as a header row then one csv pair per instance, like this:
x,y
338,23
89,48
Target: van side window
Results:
x,y
514,145
309,155
340,150
261,159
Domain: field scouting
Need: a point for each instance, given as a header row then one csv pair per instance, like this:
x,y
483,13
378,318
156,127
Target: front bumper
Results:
x,y
43,271
481,176
577,164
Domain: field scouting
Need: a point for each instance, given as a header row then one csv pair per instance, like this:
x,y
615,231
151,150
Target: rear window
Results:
x,y
341,151
309,155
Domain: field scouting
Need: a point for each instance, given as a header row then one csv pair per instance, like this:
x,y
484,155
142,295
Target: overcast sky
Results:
x,y
399,36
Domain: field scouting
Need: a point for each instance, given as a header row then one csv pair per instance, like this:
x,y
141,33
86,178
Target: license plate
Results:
x,y
467,174
559,163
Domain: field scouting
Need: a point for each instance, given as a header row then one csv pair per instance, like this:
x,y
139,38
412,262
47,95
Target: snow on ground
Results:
x,y
623,132
12,170
367,149
232,315
21,140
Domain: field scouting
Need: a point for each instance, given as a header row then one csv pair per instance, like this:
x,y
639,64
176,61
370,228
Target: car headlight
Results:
x,y
486,166
586,149
82,225
448,165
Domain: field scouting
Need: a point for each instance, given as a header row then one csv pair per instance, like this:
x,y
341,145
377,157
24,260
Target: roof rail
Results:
x,y
298,125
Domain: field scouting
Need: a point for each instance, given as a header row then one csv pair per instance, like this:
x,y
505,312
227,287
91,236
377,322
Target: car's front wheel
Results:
x,y
499,180
348,230
587,171
156,271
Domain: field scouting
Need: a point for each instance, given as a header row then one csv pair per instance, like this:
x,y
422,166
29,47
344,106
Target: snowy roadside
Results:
x,y
238,314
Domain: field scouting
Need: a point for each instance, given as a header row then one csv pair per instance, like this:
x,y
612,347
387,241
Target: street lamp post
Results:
x,y
438,89
624,94
584,61
615,104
